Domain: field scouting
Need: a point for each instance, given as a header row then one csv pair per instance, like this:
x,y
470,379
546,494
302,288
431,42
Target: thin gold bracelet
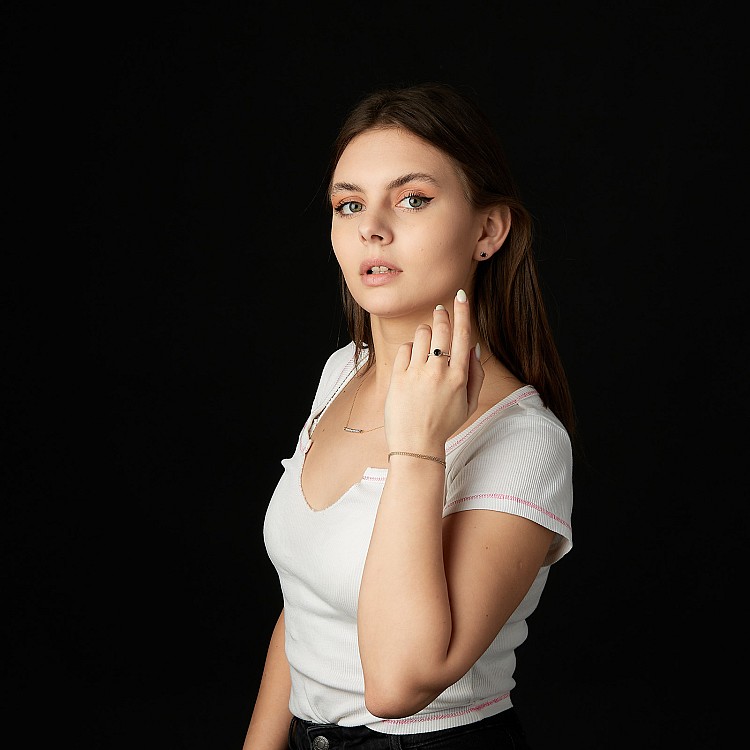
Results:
x,y
417,455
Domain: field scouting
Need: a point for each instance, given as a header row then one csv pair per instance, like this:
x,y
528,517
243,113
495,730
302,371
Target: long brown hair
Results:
x,y
507,299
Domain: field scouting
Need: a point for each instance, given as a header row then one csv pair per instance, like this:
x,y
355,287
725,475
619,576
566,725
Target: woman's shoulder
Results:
x,y
336,369
340,358
340,363
520,421
515,458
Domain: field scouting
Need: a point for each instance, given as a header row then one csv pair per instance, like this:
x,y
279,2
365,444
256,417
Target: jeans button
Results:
x,y
321,743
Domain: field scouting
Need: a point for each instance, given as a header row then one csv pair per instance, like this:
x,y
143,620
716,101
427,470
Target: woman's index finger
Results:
x,y
462,336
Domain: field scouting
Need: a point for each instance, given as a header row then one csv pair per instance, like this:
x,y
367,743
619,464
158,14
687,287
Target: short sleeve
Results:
x,y
520,463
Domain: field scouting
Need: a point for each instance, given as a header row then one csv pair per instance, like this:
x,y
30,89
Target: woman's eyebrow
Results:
x,y
411,177
339,187
349,187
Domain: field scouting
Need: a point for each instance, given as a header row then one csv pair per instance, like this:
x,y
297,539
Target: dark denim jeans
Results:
x,y
502,731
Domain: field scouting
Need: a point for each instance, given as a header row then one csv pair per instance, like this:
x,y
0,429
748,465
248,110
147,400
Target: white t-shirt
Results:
x,y
514,458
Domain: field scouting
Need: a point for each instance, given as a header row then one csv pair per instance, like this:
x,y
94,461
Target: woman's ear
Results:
x,y
495,228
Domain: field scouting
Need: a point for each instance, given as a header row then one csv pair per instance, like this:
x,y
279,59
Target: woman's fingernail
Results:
x,y
461,295
440,307
478,352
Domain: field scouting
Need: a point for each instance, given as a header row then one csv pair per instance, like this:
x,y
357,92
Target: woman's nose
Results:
x,y
374,228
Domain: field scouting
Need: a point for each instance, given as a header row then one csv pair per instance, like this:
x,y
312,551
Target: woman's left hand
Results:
x,y
431,395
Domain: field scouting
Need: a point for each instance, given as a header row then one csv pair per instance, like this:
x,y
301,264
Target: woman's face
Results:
x,y
399,207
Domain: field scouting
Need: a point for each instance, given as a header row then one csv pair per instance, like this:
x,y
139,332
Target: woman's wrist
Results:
x,y
412,455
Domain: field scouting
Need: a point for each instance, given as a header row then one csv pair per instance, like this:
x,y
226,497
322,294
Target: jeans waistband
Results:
x,y
498,731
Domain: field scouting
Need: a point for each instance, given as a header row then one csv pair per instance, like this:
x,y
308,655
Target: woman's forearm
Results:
x,y
269,724
404,614
435,592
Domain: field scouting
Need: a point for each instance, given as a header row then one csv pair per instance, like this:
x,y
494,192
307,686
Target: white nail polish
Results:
x,y
461,295
440,307
478,352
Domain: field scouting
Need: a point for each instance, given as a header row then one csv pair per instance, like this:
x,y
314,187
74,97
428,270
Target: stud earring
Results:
x,y
482,255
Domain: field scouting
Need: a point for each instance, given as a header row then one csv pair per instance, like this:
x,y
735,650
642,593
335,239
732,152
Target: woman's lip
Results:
x,y
365,267
378,279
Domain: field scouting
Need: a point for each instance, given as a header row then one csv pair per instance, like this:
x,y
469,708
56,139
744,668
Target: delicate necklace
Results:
x,y
351,409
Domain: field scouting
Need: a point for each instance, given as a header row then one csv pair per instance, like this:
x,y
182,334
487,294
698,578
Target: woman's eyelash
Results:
x,y
423,198
339,208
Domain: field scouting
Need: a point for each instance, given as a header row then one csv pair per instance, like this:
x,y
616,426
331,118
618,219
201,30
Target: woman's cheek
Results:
x,y
348,263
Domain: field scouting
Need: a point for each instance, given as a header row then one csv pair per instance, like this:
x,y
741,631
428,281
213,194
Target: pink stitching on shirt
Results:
x,y
435,717
372,478
491,413
497,496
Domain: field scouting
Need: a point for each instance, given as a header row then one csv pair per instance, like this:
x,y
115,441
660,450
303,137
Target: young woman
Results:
x,y
430,490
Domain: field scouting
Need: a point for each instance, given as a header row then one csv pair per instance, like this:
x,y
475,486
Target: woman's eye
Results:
x,y
347,208
414,202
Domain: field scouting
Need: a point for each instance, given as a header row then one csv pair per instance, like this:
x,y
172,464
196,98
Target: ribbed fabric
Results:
x,y
515,458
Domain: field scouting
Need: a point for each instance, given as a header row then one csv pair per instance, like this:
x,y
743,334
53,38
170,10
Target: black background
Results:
x,y
171,299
